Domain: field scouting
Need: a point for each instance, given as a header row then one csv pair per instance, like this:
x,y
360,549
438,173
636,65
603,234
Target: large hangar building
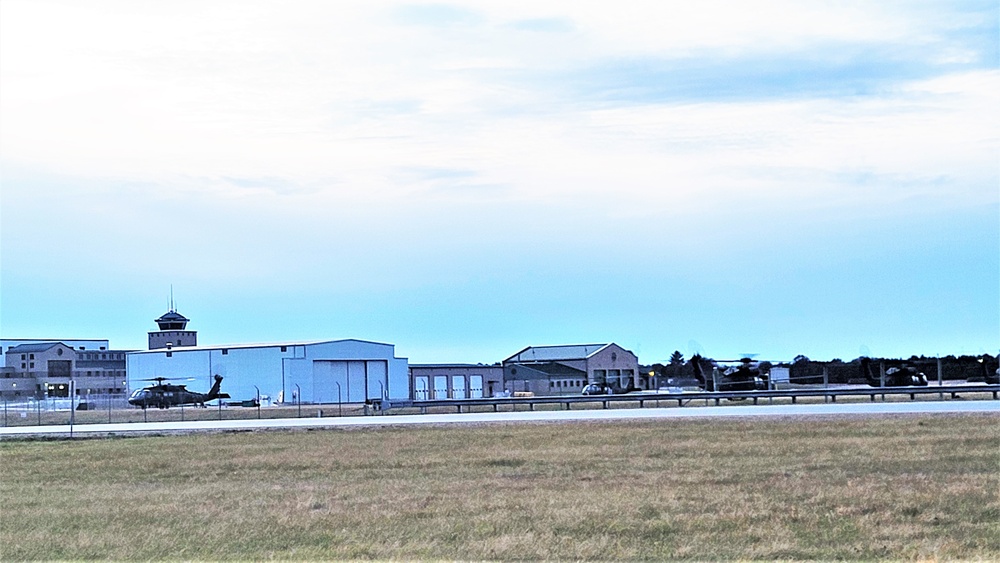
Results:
x,y
348,371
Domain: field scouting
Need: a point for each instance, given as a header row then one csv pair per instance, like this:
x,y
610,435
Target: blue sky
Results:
x,y
466,179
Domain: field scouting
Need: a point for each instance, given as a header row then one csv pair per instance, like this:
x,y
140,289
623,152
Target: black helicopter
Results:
x,y
906,376
166,395
744,377
990,375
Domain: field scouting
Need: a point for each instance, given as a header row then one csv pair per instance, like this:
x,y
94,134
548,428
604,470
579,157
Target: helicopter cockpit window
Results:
x,y
139,393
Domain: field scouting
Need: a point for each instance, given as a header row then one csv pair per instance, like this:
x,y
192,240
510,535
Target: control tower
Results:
x,y
173,331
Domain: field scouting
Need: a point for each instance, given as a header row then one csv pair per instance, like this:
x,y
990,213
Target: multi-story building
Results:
x,y
557,370
53,368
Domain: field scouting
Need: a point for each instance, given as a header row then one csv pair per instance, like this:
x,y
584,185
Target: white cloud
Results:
x,y
325,104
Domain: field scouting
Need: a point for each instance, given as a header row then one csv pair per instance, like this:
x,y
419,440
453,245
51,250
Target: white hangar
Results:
x,y
349,371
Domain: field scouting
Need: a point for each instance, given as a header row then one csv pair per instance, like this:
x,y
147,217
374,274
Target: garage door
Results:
x,y
349,381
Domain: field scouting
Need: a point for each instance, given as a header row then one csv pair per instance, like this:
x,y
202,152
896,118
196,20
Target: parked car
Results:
x,y
596,389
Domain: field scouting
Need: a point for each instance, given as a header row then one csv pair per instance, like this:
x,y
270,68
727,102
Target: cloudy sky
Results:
x,y
466,179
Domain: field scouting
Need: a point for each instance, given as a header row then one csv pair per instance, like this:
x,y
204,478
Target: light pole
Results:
x,y
340,408
258,401
298,398
381,391
72,410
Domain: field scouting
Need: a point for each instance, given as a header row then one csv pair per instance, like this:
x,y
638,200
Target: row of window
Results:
x,y
87,373
9,348
96,356
86,356
566,383
225,351
600,373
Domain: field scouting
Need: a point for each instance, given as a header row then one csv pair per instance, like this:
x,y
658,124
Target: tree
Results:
x,y
676,358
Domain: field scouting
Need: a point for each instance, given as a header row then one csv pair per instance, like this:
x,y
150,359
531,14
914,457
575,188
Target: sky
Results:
x,y
466,179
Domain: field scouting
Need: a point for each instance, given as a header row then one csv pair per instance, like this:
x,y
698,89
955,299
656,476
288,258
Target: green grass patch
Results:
x,y
899,487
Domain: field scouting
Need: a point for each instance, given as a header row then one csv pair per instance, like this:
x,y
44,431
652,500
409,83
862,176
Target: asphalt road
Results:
x,y
857,409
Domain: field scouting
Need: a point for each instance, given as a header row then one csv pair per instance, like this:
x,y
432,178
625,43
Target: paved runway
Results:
x,y
916,407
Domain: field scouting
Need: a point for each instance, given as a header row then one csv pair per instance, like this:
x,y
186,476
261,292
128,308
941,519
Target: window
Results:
x,y
31,356
31,365
225,351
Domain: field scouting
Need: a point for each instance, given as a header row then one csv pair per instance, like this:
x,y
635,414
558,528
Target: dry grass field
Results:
x,y
860,488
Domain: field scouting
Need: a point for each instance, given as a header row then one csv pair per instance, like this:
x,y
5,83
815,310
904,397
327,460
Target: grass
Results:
x,y
899,487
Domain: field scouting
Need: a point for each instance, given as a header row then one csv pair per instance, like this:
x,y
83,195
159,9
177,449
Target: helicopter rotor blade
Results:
x,y
168,379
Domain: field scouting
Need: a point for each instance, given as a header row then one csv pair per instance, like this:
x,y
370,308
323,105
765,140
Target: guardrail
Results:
x,y
381,405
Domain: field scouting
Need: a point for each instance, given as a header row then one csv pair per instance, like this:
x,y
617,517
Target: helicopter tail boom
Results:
x,y
213,393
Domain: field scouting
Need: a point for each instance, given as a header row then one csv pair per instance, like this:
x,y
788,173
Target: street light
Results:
x,y
72,411
340,408
258,400
298,398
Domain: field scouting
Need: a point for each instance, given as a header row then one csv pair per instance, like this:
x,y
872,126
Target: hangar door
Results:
x,y
349,381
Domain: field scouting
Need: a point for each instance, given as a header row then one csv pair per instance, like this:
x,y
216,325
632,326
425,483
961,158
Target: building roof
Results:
x,y
455,366
557,353
548,369
172,316
259,345
34,347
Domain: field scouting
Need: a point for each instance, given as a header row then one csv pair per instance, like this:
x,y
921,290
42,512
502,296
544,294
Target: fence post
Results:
x,y
72,407
940,378
826,380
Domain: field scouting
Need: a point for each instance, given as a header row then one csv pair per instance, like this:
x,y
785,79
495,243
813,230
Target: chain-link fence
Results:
x,y
114,408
